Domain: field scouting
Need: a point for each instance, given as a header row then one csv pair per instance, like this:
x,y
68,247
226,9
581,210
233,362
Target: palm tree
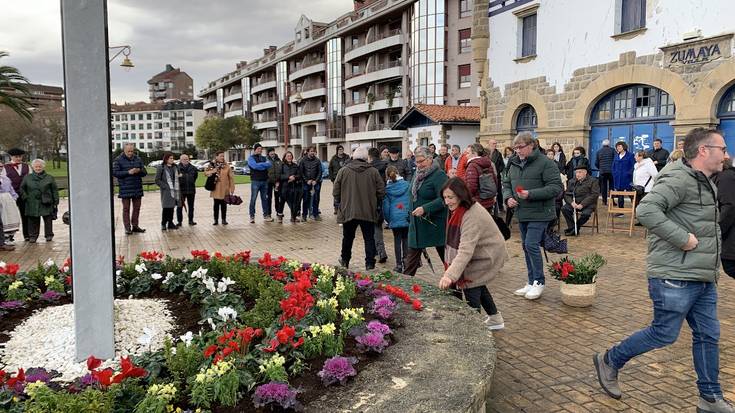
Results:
x,y
13,92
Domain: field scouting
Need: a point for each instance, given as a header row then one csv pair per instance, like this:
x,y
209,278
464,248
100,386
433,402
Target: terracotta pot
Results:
x,y
578,295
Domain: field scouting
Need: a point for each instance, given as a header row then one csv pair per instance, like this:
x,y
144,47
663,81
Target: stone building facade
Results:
x,y
655,81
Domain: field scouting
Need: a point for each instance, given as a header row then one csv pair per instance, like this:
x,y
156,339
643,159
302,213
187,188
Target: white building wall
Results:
x,y
462,135
578,33
415,139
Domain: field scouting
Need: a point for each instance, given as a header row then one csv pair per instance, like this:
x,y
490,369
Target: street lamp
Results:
x,y
127,64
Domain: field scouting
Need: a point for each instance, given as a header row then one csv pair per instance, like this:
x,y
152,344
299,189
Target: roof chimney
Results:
x,y
169,68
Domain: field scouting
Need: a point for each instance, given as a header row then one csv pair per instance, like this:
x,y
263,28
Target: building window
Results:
x,y
527,120
465,41
148,126
355,123
117,146
117,118
189,123
355,96
634,102
188,113
150,135
141,145
149,116
189,133
298,36
464,73
306,33
355,68
465,8
464,102
528,40
141,135
633,15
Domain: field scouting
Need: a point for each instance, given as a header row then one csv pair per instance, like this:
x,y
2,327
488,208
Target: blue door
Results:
x,y
727,126
638,136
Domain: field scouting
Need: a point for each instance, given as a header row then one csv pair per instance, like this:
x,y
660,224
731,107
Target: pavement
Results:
x,y
545,351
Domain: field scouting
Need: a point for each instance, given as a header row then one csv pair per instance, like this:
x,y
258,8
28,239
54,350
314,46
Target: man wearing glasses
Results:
x,y
683,264
530,186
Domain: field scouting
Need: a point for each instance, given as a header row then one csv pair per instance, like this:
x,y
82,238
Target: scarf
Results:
x,y
454,234
173,183
421,174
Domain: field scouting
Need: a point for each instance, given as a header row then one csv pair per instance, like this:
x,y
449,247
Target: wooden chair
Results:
x,y
613,209
591,223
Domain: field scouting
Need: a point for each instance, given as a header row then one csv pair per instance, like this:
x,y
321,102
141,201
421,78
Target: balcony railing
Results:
x,y
233,92
374,68
264,120
309,111
372,39
262,81
267,100
308,62
306,88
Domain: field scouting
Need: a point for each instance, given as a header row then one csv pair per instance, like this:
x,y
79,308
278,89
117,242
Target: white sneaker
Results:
x,y
495,322
523,291
535,291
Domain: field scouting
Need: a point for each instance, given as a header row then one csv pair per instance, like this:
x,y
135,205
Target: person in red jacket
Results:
x,y
456,163
477,164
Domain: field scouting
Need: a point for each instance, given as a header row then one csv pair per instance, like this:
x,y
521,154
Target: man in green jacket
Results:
x,y
530,186
681,215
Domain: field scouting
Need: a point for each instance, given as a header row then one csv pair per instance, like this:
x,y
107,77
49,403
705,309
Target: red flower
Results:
x,y
19,377
520,188
67,280
226,351
201,254
210,350
417,305
151,255
93,363
9,269
2,377
285,334
218,255
298,343
128,370
104,377
416,289
273,347
400,205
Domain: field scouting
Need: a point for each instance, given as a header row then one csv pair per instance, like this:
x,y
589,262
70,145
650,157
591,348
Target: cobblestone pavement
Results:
x,y
544,353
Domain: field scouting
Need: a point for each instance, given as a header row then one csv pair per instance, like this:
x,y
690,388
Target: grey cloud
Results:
x,y
204,38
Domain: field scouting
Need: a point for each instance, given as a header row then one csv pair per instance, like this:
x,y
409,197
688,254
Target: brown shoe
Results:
x,y
7,248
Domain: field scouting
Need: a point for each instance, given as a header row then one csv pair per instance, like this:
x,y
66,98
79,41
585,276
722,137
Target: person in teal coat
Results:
x,y
428,212
41,197
395,212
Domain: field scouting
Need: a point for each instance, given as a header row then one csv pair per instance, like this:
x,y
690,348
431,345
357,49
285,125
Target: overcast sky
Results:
x,y
203,38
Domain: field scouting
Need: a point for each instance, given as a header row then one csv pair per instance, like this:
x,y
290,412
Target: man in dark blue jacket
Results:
x,y
604,162
259,166
129,171
310,168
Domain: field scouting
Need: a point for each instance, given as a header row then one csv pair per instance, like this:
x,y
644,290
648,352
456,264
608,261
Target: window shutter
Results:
x,y
529,36
633,15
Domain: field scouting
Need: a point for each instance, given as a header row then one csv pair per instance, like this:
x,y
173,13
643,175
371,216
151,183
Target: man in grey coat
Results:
x,y
682,218
359,189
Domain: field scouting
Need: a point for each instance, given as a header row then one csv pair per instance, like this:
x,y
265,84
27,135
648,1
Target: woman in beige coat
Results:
x,y
475,250
225,185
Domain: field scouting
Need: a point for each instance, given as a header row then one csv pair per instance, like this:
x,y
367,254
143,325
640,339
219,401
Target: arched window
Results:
x,y
637,102
727,104
527,120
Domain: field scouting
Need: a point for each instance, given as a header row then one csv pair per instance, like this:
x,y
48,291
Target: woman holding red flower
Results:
x,y
475,250
395,212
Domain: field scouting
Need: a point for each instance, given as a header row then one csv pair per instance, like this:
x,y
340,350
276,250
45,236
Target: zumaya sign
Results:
x,y
698,51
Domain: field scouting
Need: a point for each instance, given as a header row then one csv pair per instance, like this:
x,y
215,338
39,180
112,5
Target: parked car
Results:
x,y
155,164
325,170
240,167
201,165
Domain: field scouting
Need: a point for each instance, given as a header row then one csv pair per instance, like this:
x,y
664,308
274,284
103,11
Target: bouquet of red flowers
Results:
x,y
583,271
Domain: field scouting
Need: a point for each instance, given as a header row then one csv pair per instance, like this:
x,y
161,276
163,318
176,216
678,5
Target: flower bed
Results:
x,y
273,334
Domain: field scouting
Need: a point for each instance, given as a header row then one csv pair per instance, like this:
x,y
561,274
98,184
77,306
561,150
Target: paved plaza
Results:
x,y
544,354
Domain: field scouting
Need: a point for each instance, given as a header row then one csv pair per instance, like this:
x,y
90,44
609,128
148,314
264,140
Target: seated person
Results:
x,y
581,195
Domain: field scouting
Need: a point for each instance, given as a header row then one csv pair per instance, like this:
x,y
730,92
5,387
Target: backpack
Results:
x,y
487,188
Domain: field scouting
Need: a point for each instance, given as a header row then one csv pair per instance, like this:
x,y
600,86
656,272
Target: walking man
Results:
x,y
129,170
681,216
259,166
530,186
380,165
187,185
604,161
16,170
359,189
338,161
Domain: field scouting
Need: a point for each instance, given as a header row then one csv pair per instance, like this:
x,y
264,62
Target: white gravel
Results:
x,y
46,338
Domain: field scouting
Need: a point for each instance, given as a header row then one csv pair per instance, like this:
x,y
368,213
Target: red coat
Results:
x,y
475,168
461,165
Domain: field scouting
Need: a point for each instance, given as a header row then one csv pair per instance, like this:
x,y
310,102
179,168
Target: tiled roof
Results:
x,y
166,75
444,113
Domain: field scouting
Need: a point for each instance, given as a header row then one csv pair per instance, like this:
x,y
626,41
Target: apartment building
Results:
x,y
156,126
348,81
170,84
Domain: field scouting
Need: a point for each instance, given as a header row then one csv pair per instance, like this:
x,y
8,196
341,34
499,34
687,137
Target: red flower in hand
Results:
x,y
519,189
93,363
400,205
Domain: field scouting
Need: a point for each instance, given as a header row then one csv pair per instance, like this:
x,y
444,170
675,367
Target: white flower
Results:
x,y
226,313
186,338
140,268
2,264
156,276
147,337
209,283
211,323
65,269
118,272
169,275
222,285
199,273
49,263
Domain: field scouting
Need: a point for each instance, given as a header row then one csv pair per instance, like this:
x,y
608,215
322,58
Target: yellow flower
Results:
x,y
339,286
315,330
32,388
15,285
328,329
49,279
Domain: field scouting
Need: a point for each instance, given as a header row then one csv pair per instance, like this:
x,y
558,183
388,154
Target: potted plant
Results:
x,y
578,279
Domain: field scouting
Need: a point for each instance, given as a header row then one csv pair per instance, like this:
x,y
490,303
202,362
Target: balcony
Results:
x,y
233,96
379,42
362,106
307,92
375,132
383,71
266,124
308,70
307,116
269,104
233,112
209,104
263,86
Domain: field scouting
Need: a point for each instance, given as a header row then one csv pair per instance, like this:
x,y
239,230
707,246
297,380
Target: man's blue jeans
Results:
x,y
261,187
673,302
532,234
311,202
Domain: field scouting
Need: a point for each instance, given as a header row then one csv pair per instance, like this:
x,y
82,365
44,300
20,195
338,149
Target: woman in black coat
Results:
x,y
725,182
290,179
578,159
559,157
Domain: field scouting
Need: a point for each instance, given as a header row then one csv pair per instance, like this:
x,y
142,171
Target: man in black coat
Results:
x,y
659,155
187,186
129,170
338,161
402,165
604,162
310,169
725,182
581,196
376,162
497,159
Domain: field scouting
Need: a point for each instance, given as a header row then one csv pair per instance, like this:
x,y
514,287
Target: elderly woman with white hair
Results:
x,y
358,189
41,196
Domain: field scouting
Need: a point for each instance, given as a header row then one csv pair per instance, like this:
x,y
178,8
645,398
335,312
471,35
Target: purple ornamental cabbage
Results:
x,y
383,306
337,370
11,305
50,296
372,342
364,284
35,374
277,393
376,326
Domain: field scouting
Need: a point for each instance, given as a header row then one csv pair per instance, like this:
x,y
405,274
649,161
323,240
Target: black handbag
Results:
x,y
553,243
502,226
211,182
